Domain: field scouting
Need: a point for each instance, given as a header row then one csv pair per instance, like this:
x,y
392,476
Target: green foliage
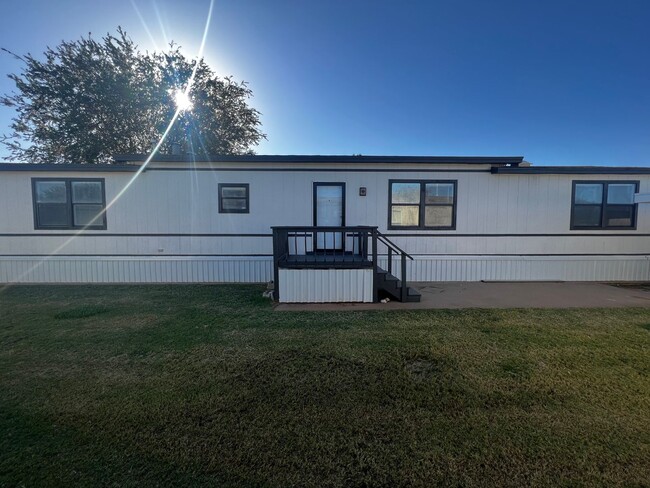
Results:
x,y
88,100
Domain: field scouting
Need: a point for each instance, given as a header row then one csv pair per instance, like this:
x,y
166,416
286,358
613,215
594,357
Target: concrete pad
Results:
x,y
502,295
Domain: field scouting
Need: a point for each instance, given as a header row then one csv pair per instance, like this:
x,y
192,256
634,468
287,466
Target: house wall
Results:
x,y
166,227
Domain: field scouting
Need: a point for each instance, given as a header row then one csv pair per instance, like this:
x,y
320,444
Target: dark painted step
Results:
x,y
390,286
412,295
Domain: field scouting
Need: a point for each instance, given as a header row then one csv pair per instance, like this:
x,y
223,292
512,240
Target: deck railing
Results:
x,y
342,247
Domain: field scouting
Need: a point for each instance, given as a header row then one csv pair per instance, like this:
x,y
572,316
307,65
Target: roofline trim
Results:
x,y
93,168
497,170
571,170
277,158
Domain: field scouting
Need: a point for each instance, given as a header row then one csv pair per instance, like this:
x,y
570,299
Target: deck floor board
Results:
x,y
334,259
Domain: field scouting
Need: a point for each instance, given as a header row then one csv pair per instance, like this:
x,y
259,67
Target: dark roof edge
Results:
x,y
277,158
69,167
498,170
571,170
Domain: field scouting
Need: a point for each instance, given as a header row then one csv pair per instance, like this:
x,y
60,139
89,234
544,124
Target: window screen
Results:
x,y
422,204
604,205
233,198
69,203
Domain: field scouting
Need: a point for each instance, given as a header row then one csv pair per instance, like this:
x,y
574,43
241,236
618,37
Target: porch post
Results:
x,y
403,291
375,273
276,272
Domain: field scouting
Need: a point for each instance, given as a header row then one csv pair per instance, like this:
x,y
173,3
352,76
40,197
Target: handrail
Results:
x,y
378,236
394,246
349,230
298,233
320,228
331,228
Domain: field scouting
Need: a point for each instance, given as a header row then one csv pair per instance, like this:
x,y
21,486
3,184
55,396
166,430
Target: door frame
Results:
x,y
315,205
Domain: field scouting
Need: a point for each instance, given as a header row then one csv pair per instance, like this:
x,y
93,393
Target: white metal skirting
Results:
x,y
167,269
259,269
525,268
325,285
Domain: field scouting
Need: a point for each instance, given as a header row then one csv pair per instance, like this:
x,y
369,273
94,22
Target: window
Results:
x,y
233,198
603,205
422,204
61,203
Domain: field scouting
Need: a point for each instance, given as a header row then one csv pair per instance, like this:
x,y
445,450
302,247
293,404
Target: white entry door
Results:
x,y
329,211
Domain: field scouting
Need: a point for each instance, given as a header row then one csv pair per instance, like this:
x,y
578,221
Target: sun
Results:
x,y
182,101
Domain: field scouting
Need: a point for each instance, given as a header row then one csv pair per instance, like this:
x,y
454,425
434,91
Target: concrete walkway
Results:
x,y
503,295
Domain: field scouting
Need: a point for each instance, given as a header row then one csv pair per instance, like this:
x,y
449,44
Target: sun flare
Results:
x,y
182,101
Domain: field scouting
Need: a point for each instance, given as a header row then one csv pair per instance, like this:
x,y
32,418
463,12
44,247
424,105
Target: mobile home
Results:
x,y
323,228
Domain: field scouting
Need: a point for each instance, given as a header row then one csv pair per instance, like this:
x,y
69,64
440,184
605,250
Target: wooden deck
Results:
x,y
340,260
299,248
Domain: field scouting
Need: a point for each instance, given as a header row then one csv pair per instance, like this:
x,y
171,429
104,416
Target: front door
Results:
x,y
329,211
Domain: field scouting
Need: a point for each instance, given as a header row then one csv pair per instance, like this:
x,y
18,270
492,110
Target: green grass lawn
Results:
x,y
206,385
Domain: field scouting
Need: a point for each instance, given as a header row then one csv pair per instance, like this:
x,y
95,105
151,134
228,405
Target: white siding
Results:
x,y
166,226
185,202
325,285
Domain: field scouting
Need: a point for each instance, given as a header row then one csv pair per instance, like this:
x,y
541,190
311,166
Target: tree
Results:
x,y
88,100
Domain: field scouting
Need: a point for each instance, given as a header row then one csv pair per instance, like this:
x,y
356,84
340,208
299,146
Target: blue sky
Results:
x,y
559,82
